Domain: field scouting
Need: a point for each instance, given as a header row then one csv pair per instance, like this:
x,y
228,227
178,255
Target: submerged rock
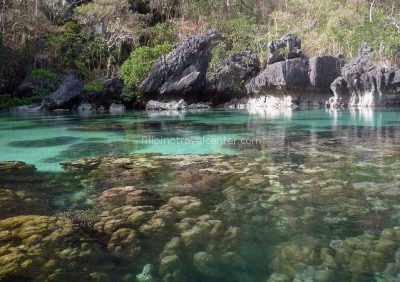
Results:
x,y
129,195
27,242
147,274
16,167
181,73
20,202
66,96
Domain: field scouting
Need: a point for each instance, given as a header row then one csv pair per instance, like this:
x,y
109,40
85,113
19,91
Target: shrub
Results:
x,y
160,33
80,50
42,76
94,86
135,69
8,102
44,81
242,33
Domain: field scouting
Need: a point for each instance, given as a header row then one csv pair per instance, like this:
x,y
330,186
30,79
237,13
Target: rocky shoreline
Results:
x,y
179,81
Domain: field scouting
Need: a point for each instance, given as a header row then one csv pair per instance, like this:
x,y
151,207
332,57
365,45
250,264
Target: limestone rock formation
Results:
x,y
169,106
366,84
286,47
66,96
182,73
324,70
232,75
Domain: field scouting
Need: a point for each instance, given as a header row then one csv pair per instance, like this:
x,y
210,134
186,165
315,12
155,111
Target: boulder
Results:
x,y
65,96
160,106
286,47
232,75
117,108
324,70
181,73
85,107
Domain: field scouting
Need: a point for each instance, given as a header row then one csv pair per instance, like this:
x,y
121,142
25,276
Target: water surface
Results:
x,y
301,195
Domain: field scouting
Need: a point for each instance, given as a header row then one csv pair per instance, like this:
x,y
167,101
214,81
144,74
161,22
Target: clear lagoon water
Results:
x,y
261,195
45,140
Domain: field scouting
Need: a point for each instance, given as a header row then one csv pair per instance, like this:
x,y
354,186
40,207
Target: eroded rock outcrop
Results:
x,y
294,75
286,47
181,73
232,75
66,96
365,84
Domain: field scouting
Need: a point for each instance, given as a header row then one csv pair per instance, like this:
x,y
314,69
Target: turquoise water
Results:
x,y
238,196
45,140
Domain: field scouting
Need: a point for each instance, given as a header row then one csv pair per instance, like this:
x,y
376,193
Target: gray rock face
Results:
x,y
116,108
170,106
65,96
298,73
289,74
286,47
181,73
365,84
232,75
324,70
111,92
365,49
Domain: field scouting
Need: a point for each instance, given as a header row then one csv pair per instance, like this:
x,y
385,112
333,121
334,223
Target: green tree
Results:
x,y
135,69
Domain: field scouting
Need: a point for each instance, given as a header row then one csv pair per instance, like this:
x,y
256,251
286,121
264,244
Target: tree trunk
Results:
x,y
370,10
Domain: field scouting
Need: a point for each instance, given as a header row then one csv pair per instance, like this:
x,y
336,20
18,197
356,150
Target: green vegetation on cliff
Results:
x,y
93,39
135,69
